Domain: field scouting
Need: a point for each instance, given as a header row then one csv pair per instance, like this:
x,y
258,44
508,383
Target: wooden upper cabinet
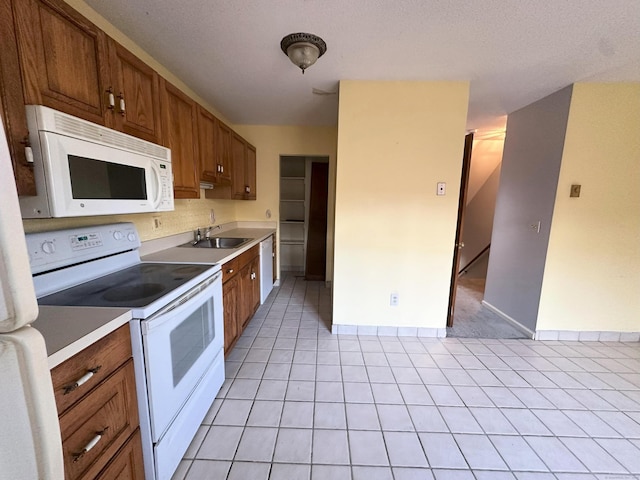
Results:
x,y
238,156
250,173
223,153
207,146
12,103
179,132
64,59
244,169
136,87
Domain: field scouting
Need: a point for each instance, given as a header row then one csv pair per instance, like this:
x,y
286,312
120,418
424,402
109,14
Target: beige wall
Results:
x,y
592,271
396,140
273,141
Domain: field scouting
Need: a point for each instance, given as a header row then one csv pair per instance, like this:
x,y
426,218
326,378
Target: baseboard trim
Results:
x,y
587,336
509,319
382,331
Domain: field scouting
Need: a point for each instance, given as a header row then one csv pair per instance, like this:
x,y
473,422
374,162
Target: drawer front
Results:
x,y
77,376
128,464
230,269
96,427
249,255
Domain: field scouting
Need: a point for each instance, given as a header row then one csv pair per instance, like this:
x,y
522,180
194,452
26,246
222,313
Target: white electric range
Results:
x,y
176,331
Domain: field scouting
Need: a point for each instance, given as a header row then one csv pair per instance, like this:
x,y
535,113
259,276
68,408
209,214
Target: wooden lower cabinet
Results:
x,y
98,415
128,464
240,293
230,291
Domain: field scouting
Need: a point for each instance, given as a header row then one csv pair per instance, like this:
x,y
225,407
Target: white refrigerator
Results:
x,y
30,445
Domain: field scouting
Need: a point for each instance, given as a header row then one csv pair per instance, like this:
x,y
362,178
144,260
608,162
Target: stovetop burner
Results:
x,y
136,286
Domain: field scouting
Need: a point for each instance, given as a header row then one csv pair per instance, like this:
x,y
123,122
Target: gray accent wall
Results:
x,y
528,181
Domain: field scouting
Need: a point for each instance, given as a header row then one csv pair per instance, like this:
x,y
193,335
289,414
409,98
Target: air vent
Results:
x,y
106,136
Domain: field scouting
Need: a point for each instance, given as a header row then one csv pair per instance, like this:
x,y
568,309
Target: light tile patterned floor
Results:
x,y
302,404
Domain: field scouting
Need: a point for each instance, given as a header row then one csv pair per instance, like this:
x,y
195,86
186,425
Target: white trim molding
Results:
x,y
381,331
587,336
509,319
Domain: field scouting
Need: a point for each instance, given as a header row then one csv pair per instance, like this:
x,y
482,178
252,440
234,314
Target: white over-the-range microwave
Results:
x,y
85,169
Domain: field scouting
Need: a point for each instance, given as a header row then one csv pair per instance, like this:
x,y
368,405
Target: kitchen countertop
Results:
x,y
210,255
69,330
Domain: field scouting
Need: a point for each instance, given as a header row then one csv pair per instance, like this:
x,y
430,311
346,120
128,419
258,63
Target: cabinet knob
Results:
x,y
230,270
247,189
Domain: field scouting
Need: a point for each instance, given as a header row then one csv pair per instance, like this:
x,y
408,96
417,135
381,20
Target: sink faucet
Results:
x,y
208,232
196,236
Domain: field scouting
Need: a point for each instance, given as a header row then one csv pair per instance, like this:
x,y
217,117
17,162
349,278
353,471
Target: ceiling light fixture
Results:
x,y
303,49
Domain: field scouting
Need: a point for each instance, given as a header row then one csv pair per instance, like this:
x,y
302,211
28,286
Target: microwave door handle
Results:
x,y
158,185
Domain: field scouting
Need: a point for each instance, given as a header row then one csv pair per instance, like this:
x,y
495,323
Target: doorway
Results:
x,y
304,190
467,316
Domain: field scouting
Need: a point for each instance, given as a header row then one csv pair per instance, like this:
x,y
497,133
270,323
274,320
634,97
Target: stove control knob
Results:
x,y
131,237
117,235
48,247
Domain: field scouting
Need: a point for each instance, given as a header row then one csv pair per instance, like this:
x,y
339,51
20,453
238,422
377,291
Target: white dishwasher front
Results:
x,y
266,268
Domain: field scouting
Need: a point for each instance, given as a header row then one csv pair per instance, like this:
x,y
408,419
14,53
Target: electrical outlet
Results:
x,y
395,299
212,216
156,223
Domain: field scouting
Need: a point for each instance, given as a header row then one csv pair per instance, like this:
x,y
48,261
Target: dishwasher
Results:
x,y
266,268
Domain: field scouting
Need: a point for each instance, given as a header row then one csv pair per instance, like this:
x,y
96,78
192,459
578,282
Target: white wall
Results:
x,y
396,140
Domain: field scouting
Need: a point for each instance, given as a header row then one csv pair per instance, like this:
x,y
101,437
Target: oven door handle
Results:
x,y
189,301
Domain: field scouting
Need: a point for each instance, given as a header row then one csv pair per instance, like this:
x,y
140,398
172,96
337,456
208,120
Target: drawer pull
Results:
x,y
82,380
92,443
230,270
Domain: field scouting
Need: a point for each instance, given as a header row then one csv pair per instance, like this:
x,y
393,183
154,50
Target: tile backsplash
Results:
x,y
188,215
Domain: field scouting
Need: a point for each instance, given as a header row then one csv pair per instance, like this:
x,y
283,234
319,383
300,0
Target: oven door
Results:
x,y
180,344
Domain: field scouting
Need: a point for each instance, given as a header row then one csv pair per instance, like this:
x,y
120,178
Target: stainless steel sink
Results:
x,y
218,242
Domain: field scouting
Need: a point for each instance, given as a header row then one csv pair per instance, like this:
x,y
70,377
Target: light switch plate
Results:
x,y
575,191
441,189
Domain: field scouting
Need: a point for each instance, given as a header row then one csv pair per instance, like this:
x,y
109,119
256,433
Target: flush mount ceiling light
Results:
x,y
303,49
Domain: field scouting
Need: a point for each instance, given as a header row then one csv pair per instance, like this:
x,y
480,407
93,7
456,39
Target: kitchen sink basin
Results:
x,y
218,242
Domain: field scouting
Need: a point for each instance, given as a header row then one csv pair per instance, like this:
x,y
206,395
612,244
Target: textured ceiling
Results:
x,y
512,51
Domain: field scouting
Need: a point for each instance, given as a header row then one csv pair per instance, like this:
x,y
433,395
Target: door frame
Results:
x,y
458,245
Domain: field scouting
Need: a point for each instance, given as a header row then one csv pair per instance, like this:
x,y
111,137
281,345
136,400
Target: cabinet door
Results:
x,y
246,297
64,58
136,87
179,131
12,103
275,262
255,285
128,463
230,291
238,155
223,153
207,146
250,173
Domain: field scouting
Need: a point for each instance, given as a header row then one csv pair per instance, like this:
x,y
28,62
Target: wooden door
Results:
x,y
245,303
230,291
316,262
238,155
255,285
179,131
275,262
223,153
462,201
64,59
12,109
207,146
250,173
136,87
